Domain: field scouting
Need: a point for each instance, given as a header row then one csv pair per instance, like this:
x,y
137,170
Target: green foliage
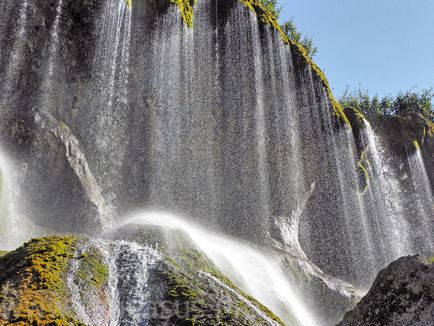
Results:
x,y
290,29
272,7
405,102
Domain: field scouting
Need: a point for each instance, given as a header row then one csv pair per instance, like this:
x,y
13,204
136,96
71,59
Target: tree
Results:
x,y
272,6
405,102
290,29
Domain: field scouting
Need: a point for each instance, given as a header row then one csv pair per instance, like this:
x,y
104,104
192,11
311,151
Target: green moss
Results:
x,y
430,128
93,269
428,261
2,253
267,17
355,116
49,260
362,171
186,10
195,261
416,145
40,289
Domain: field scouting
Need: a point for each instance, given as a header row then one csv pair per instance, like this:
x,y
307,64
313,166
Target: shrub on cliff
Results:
x,y
291,30
410,101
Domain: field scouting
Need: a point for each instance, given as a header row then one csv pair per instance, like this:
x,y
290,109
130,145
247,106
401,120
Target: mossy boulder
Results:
x,y
356,118
402,294
67,280
34,286
188,289
401,133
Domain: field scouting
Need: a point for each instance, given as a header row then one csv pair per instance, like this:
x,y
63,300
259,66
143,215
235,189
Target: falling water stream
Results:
x,y
389,224
223,122
15,227
424,197
16,59
250,269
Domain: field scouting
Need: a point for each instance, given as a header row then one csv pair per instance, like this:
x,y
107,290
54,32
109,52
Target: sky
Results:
x,y
382,46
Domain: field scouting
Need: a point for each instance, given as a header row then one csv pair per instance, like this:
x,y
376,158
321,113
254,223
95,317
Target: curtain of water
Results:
x,y
15,227
15,60
49,89
384,195
129,266
107,113
423,201
250,269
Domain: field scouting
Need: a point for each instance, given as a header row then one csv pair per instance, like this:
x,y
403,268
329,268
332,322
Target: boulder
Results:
x,y
402,294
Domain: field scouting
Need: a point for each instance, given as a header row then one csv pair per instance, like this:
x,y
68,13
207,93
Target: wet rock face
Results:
x,y
74,281
34,283
402,294
184,287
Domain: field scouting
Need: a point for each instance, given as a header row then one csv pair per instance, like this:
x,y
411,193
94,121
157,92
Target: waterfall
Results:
x,y
11,73
115,106
12,220
424,200
128,288
253,271
129,265
48,93
103,120
388,222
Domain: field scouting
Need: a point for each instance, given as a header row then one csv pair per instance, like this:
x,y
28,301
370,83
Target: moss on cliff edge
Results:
x,y
186,9
267,17
32,279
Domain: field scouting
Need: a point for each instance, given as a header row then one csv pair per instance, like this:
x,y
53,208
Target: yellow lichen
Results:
x,y
129,3
186,9
416,145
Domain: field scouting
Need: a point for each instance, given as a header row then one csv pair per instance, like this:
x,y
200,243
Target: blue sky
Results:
x,y
382,45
